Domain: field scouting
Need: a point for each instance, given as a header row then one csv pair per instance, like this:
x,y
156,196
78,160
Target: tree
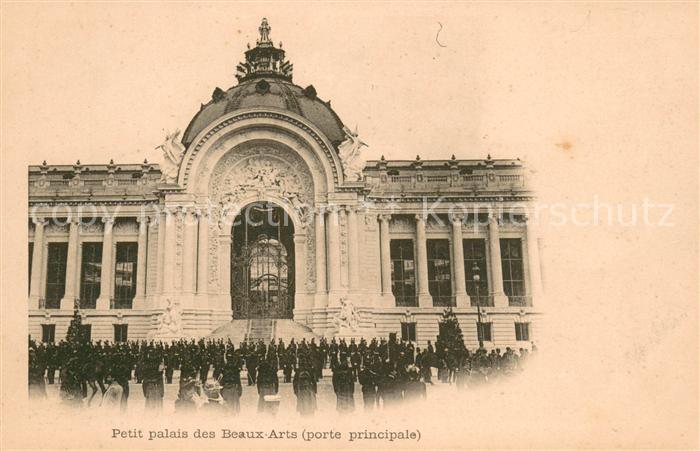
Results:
x,y
75,329
450,335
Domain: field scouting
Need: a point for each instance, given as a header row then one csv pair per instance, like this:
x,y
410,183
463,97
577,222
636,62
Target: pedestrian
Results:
x,y
344,386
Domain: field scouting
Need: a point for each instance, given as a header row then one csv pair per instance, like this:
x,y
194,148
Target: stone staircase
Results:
x,y
253,330
260,329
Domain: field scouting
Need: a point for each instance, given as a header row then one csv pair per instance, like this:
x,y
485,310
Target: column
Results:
x,y
160,273
169,252
385,256
202,257
533,254
321,298
300,272
68,301
141,264
333,257
37,262
424,298
343,223
224,271
103,302
189,256
154,227
461,299
353,251
499,299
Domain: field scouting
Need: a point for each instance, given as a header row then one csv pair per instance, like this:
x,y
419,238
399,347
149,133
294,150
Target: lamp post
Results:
x,y
479,328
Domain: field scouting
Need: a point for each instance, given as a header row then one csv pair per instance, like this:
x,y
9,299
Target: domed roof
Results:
x,y
265,81
270,92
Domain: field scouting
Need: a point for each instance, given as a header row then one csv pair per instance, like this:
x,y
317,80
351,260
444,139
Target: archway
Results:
x,y
262,262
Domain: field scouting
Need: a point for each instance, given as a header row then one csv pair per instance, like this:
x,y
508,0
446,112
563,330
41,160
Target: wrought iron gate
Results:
x,y
262,263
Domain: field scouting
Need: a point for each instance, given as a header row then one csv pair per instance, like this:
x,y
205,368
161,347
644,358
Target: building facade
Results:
x,y
264,209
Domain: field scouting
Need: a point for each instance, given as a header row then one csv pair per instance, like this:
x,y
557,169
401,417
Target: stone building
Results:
x,y
262,219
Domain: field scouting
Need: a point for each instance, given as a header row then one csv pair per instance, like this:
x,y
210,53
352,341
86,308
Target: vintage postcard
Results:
x,y
362,225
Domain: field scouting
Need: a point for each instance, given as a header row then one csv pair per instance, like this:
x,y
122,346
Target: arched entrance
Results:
x,y
262,262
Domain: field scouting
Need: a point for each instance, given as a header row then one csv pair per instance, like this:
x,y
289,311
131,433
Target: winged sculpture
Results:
x,y
350,152
173,153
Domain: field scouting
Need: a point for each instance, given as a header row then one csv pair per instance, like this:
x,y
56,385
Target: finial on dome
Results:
x,y
264,60
264,32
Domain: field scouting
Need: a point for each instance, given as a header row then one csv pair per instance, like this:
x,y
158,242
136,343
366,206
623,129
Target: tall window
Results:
x,y
475,253
125,275
86,331
56,274
120,332
439,273
29,265
408,331
513,275
483,331
90,272
522,331
48,333
403,273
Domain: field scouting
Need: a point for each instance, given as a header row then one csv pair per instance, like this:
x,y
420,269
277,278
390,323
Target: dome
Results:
x,y
265,81
268,92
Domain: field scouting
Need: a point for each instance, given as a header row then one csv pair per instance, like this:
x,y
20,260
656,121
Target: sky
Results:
x,y
600,100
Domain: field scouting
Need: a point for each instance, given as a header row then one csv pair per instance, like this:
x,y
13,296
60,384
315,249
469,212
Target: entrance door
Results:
x,y
262,263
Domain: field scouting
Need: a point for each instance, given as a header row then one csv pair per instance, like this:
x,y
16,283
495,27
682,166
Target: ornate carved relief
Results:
x,y
370,222
179,244
94,226
343,225
261,170
213,257
56,229
310,259
125,227
402,224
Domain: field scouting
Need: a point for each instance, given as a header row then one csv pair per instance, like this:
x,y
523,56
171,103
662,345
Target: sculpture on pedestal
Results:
x,y
170,322
347,318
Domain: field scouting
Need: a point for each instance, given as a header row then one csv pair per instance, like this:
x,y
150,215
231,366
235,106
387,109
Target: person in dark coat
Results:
x,y
251,364
305,388
368,380
71,390
268,387
344,386
389,389
37,388
414,389
152,374
231,381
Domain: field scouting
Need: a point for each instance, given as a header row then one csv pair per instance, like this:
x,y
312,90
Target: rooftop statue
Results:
x,y
350,152
173,153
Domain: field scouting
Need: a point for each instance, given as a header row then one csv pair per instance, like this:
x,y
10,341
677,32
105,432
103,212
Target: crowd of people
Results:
x,y
388,371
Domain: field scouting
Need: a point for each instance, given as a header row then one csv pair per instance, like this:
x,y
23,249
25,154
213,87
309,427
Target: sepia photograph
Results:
x,y
367,225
